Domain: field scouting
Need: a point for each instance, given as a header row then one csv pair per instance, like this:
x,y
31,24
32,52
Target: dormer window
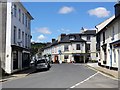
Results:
x,y
72,37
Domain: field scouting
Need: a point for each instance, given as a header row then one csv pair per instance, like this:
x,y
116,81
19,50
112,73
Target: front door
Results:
x,y
56,59
15,60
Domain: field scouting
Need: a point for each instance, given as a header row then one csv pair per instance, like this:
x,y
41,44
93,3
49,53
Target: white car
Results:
x,y
42,64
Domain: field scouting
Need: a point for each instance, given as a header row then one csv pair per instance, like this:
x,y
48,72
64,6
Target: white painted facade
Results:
x,y
112,35
54,51
17,40
92,43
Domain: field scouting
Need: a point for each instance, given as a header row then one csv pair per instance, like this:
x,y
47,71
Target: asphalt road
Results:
x,y
64,76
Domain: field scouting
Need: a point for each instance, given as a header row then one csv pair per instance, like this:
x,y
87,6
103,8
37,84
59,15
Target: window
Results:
x,y
23,38
66,48
113,33
28,24
19,34
88,46
19,15
23,18
103,37
72,37
77,46
26,40
14,36
66,57
15,10
96,54
114,56
88,38
26,21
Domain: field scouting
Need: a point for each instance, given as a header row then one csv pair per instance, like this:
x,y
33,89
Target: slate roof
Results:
x,y
114,20
66,39
89,32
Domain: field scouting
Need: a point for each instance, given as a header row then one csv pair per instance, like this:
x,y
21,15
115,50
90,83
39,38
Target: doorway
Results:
x,y
15,60
56,59
79,59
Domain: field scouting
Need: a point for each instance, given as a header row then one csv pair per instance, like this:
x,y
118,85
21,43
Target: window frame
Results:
x,y
15,10
66,47
14,34
78,46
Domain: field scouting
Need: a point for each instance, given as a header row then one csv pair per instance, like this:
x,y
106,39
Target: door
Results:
x,y
56,59
15,60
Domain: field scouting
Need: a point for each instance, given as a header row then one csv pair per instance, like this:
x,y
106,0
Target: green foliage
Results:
x,y
36,47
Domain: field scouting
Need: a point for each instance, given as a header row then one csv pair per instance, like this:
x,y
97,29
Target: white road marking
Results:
x,y
84,80
104,74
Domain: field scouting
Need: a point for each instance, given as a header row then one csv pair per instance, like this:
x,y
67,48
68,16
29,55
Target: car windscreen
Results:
x,y
41,61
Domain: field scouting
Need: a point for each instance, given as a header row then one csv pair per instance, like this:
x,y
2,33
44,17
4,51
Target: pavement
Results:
x,y
111,73
19,74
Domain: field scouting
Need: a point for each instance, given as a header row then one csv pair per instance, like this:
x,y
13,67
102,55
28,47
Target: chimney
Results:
x,y
62,36
117,8
83,30
53,40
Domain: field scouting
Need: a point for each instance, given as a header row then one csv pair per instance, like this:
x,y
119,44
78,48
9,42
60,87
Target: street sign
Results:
x,y
59,51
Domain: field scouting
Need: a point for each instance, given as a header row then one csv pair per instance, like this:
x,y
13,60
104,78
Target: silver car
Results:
x,y
42,64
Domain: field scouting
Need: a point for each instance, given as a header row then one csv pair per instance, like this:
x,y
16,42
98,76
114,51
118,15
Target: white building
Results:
x,y
79,47
90,37
108,41
67,48
18,37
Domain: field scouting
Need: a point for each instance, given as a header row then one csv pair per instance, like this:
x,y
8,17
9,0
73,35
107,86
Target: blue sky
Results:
x,y
53,18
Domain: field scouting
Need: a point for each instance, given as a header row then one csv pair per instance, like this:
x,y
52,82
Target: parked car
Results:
x,y
42,64
32,62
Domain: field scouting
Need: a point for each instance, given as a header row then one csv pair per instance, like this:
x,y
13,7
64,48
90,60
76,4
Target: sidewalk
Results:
x,y
18,74
104,70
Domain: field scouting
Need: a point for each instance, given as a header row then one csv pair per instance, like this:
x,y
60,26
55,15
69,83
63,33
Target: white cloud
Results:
x,y
44,30
32,40
66,10
99,12
41,37
62,30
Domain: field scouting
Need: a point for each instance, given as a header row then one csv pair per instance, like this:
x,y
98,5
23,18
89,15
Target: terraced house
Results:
x,y
16,35
108,41
72,47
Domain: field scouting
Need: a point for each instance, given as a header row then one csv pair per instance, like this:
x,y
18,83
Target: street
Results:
x,y
64,76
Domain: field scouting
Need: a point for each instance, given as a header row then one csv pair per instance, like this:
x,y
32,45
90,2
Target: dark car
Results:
x,y
42,64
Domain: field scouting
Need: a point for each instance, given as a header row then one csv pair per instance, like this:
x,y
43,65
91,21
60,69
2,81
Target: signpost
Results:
x,y
60,61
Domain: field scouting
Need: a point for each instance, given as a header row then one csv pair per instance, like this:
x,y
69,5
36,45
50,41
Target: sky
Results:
x,y
53,18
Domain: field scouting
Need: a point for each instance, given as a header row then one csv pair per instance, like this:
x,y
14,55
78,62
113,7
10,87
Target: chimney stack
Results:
x,y
62,36
53,40
117,8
